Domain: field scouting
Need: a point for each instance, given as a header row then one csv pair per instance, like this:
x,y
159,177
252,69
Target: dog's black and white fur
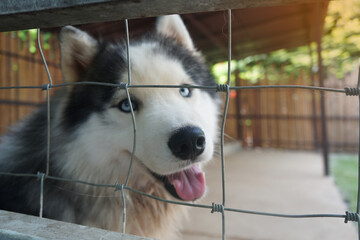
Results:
x,y
92,134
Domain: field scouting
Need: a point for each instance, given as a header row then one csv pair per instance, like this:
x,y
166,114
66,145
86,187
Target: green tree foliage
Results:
x,y
341,41
341,51
29,39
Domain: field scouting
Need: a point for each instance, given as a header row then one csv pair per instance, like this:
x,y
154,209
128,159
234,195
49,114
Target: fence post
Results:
x,y
325,145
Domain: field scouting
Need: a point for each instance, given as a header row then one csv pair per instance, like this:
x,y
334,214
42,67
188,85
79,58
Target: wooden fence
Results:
x,y
290,118
20,67
274,118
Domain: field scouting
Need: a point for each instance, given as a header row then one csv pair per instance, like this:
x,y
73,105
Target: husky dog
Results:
x,y
92,134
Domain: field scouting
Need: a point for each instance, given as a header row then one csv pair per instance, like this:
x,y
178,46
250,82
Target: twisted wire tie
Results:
x,y
40,175
352,91
118,187
222,88
217,208
123,85
353,217
45,86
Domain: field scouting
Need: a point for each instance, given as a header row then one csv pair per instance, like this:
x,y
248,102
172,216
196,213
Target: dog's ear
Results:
x,y
172,26
77,50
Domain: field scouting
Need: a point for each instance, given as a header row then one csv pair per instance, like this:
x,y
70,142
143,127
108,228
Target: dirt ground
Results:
x,y
285,182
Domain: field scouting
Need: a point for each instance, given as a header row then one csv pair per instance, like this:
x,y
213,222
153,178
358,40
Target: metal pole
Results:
x,y
325,145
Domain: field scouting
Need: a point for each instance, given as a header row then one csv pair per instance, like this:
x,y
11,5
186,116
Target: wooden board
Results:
x,y
15,226
18,14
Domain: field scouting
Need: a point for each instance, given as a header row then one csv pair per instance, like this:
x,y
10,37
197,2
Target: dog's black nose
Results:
x,y
187,142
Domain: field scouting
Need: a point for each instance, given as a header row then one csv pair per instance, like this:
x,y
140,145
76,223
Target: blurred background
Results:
x,y
283,132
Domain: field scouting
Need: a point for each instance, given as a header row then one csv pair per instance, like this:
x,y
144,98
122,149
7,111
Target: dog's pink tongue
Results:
x,y
189,184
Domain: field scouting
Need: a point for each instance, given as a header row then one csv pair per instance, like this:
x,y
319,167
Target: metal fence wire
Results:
x,y
124,188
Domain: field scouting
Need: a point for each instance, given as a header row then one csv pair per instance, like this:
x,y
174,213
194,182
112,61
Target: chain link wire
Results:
x,y
348,216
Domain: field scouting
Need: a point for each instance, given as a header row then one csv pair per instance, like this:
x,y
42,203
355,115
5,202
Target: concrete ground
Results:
x,y
286,182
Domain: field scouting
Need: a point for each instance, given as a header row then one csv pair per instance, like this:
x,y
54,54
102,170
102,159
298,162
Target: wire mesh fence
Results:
x,y
124,188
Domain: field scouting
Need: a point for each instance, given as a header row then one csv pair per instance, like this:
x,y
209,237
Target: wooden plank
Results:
x,y
15,71
238,105
231,124
256,123
269,127
271,111
20,226
302,104
313,100
8,78
265,110
22,71
284,126
308,109
18,14
245,108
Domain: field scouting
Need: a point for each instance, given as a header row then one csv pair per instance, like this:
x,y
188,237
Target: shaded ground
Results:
x,y
272,181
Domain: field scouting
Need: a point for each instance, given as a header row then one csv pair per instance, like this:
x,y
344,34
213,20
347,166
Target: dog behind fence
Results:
x,y
124,188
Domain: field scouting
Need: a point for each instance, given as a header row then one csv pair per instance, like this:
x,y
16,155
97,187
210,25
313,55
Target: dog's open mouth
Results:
x,y
187,185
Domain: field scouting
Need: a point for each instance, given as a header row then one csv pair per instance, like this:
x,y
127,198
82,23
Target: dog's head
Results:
x,y
176,127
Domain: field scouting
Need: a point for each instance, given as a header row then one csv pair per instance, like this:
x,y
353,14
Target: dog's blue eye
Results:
x,y
124,105
185,92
